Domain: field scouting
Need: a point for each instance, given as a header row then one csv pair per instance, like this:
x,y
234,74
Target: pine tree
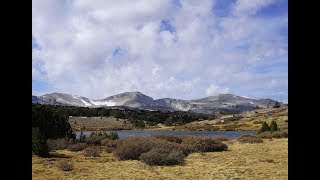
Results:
x,y
39,143
274,126
265,127
276,105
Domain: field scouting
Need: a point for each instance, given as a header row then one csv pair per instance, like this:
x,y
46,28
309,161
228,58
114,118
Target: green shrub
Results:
x,y
96,138
51,121
39,143
163,157
274,126
265,127
82,137
250,139
276,105
111,135
92,151
77,146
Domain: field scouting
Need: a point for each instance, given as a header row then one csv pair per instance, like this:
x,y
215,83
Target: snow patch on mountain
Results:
x,y
103,103
84,102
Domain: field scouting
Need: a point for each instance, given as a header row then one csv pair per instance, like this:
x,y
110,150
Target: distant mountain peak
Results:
x,y
213,104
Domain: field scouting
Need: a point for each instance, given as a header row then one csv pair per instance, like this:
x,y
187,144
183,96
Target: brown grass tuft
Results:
x,y
170,138
91,151
66,165
250,139
77,146
163,157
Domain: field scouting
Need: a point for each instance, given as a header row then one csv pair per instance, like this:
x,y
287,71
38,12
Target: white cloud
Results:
x,y
249,7
215,90
77,40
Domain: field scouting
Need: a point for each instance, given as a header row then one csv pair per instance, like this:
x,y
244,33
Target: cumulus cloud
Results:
x,y
162,48
215,90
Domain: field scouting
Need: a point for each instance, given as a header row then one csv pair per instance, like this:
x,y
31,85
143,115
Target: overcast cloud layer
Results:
x,y
164,48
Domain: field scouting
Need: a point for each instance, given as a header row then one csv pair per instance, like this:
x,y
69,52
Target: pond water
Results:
x,y
128,133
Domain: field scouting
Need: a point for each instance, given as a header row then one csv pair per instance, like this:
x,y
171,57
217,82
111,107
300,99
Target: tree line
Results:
x,y
48,123
139,118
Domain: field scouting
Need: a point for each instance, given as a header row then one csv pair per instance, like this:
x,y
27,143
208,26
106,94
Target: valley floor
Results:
x,y
267,160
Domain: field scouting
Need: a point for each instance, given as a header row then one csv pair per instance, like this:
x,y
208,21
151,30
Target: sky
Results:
x,y
182,49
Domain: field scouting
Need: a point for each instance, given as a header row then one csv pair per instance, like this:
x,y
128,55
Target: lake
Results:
x,y
128,133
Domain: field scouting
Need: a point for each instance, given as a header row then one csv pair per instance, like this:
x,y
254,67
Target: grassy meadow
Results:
x,y
267,160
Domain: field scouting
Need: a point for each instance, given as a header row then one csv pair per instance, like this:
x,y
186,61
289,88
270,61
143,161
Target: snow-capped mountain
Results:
x,y
208,105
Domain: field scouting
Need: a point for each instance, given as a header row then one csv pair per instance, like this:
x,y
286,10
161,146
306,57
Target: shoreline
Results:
x,y
160,129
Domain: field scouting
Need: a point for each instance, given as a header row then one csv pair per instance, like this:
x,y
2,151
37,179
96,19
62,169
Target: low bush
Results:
x,y
106,142
162,149
111,135
250,139
274,126
66,165
171,138
132,147
109,145
192,144
93,140
265,135
163,157
57,144
221,138
277,135
281,134
77,146
92,151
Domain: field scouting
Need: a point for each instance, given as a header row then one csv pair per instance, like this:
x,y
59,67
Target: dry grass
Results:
x,y
247,138
267,160
250,121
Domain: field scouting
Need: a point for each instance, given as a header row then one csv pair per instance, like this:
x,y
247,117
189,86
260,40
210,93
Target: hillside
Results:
x,y
245,121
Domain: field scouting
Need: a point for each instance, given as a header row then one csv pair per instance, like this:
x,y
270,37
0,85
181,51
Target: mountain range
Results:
x,y
210,105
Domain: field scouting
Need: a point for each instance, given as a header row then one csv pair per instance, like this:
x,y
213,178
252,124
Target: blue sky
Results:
x,y
164,48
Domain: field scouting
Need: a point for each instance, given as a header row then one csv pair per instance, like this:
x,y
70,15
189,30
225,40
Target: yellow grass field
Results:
x,y
250,121
267,160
